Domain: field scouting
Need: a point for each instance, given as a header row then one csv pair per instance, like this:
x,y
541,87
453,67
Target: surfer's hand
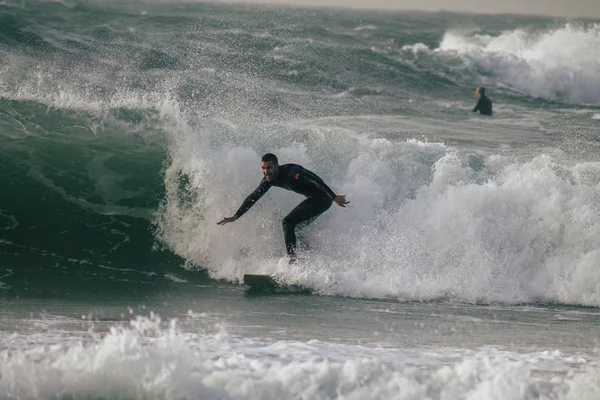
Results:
x,y
340,200
226,220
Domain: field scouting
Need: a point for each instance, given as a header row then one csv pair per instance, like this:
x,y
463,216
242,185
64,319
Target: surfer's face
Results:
x,y
270,170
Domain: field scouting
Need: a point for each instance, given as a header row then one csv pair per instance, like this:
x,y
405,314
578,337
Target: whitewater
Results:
x,y
465,266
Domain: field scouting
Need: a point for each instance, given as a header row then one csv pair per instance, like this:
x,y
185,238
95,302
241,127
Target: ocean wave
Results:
x,y
427,221
559,63
122,153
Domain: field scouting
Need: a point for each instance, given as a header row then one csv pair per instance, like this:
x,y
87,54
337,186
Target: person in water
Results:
x,y
484,105
297,179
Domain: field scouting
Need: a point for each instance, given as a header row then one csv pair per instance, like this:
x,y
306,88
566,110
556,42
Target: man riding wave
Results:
x,y
298,179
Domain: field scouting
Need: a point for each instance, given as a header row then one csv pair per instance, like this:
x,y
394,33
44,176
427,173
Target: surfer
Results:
x,y
297,179
484,105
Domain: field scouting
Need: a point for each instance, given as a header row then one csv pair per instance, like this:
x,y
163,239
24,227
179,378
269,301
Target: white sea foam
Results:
x,y
150,360
423,224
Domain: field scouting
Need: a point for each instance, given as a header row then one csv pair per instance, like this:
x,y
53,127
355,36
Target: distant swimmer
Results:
x,y
297,179
484,105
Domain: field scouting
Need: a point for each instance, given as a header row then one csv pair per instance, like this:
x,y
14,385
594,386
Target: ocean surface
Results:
x,y
467,265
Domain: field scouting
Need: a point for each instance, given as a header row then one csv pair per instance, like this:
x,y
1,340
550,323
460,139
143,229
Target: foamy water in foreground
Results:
x,y
148,360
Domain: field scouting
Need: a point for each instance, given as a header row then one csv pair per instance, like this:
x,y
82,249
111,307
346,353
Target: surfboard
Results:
x,y
268,283
257,281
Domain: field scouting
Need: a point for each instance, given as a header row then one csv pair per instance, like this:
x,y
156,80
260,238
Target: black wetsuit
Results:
x,y
484,105
300,180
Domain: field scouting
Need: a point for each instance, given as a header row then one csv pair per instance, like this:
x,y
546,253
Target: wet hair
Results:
x,y
481,90
270,157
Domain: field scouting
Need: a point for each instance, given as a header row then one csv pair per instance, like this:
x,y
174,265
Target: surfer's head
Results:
x,y
480,91
270,166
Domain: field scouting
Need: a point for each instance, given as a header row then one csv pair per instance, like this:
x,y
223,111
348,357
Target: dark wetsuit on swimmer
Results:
x,y
300,180
484,105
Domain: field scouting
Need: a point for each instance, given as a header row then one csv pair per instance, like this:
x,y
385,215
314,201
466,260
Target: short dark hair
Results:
x,y
270,157
481,89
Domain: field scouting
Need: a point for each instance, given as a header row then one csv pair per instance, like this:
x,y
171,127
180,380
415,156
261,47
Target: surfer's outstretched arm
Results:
x,y
226,220
249,202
